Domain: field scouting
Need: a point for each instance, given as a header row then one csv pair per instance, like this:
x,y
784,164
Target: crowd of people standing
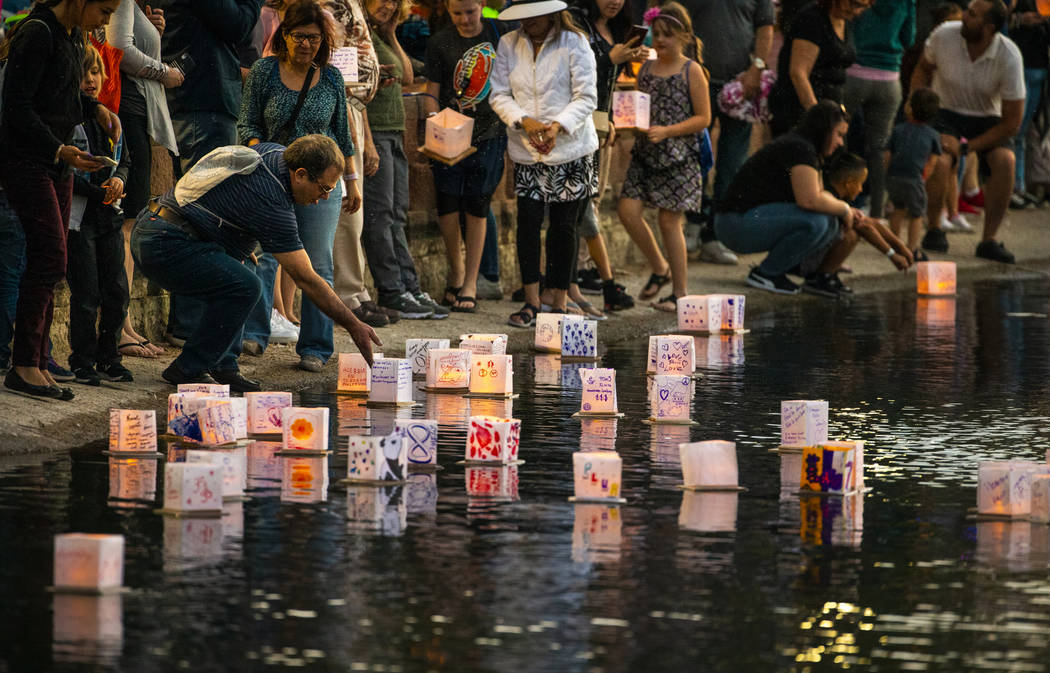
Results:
x,y
868,113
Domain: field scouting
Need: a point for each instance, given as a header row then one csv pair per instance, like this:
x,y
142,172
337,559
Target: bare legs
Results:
x,y
670,223
130,339
460,274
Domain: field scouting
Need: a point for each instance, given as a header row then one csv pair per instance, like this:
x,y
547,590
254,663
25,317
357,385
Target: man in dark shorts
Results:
x,y
978,74
196,239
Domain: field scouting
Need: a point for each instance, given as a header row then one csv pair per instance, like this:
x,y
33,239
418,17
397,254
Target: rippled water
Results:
x,y
431,578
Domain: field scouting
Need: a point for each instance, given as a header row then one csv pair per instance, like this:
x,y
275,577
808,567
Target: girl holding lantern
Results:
x,y
665,163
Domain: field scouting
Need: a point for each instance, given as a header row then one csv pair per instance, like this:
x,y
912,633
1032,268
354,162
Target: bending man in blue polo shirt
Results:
x,y
195,239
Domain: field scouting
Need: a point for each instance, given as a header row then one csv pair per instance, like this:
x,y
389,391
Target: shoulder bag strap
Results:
x,y
286,131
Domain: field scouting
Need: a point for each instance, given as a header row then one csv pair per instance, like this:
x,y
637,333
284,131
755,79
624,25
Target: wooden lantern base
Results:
x,y
431,154
715,489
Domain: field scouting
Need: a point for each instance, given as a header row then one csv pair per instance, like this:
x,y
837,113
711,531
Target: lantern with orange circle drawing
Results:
x,y
304,429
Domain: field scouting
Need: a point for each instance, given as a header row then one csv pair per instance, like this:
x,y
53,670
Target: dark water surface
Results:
x,y
430,578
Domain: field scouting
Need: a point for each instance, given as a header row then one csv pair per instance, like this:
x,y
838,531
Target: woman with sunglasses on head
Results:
x,y
295,93
818,47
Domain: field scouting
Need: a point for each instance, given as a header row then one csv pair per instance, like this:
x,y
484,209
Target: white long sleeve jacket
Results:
x,y
558,85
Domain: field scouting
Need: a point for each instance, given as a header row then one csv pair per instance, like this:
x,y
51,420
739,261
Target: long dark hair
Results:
x,y
618,25
304,13
818,122
5,46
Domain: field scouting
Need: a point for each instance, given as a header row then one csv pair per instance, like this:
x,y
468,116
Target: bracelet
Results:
x,y
891,252
350,176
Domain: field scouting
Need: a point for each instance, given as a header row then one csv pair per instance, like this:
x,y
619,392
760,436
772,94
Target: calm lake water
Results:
x,y
431,577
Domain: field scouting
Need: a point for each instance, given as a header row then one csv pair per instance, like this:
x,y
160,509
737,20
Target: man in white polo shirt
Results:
x,y
979,76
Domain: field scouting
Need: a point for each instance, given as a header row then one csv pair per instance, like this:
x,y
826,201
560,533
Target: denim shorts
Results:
x,y
907,194
475,178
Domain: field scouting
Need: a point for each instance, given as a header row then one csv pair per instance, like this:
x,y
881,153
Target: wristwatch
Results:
x,y
757,62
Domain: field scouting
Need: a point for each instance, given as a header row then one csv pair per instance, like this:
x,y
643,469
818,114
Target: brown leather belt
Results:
x,y
170,215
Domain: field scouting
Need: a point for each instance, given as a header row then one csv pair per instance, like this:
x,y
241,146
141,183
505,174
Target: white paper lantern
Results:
x,y
132,430
448,368
496,482
709,465
708,511
264,411
304,428
650,367
417,352
579,338
233,464
671,398
87,629
935,278
89,562
803,423
630,110
193,487
597,533
420,437
304,479
217,423
493,440
597,475
484,344
700,313
182,419
732,311
448,133
132,479
355,376
828,469
548,332
492,375
1040,498
205,389
380,458
675,354
391,382
380,511
1004,488
598,397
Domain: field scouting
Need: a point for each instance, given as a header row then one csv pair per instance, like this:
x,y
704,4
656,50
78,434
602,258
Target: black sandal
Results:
x,y
656,282
463,309
527,315
452,292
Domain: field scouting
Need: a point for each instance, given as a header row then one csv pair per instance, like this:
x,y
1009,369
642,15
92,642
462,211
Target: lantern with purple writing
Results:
x,y
132,430
700,313
264,411
829,469
803,423
391,382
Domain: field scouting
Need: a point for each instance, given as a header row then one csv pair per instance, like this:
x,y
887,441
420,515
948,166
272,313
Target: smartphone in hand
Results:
x,y
637,35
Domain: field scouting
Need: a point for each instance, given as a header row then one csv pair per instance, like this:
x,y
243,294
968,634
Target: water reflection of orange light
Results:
x,y
87,629
935,278
935,312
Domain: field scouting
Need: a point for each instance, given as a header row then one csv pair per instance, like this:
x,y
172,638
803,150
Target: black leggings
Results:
x,y
561,240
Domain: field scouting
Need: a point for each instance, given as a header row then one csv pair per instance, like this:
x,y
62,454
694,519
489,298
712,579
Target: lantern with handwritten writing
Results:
x,y
579,338
132,430
597,533
192,487
379,511
492,375
232,462
217,423
304,428
492,439
675,354
420,436
803,423
597,475
548,332
304,479
671,398
630,110
708,511
830,470
264,411
88,562
935,278
700,313
391,382
598,396
417,352
377,458
205,389
709,465
448,369
355,376
1004,488
484,344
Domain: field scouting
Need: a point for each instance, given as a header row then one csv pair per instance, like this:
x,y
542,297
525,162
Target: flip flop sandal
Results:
x,y
668,304
135,349
462,309
450,292
151,347
656,282
527,315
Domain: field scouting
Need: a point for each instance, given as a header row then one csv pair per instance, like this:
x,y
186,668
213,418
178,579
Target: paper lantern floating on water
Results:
x,y
132,479
671,399
417,352
355,376
547,338
832,521
182,420
420,437
579,338
448,370
732,312
232,463
700,313
304,479
1004,489
491,375
935,278
192,489
803,423
484,344
381,510
598,397
304,429
391,382
497,482
264,411
87,629
133,431
708,512
223,421
493,440
675,354
597,533
377,459
1040,498
630,110
89,563
709,466
831,470
204,389
597,476
448,134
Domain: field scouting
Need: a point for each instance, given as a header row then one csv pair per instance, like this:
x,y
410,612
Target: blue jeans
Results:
x,y
226,289
788,232
317,225
490,253
386,211
1033,83
12,264
734,141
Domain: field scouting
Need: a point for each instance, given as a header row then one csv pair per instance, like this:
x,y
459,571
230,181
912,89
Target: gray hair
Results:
x,y
316,153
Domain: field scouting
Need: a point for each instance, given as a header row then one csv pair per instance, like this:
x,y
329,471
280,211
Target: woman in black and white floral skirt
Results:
x,y
551,140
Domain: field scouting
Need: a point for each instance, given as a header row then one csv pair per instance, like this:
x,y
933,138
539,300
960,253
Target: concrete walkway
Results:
x,y
29,425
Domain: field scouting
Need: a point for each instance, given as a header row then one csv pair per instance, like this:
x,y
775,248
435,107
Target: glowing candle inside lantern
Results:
x,y
89,562
935,278
491,374
448,368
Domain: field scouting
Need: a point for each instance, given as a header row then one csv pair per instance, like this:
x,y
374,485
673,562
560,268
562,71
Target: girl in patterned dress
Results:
x,y
665,163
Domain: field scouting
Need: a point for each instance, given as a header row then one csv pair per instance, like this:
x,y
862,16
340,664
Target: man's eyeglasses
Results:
x,y
303,38
325,190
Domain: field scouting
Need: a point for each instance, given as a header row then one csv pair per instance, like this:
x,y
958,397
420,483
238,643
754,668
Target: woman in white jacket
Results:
x,y
551,139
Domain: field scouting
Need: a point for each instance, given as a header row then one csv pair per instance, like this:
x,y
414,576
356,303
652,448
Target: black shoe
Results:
x,y
406,305
392,315
616,297
994,251
236,382
518,296
87,376
116,373
778,284
18,384
63,394
370,315
589,281
58,372
175,376
935,240
823,284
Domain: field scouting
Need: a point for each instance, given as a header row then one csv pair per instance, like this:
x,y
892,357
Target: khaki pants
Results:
x,y
348,255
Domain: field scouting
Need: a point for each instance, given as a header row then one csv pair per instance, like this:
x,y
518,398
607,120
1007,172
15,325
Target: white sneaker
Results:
x,y
960,223
692,236
281,330
716,253
946,224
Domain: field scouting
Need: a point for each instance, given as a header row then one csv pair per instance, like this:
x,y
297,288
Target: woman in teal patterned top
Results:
x,y
270,95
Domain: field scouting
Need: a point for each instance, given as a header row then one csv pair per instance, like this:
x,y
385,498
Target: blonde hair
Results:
x,y
674,18
401,12
93,58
